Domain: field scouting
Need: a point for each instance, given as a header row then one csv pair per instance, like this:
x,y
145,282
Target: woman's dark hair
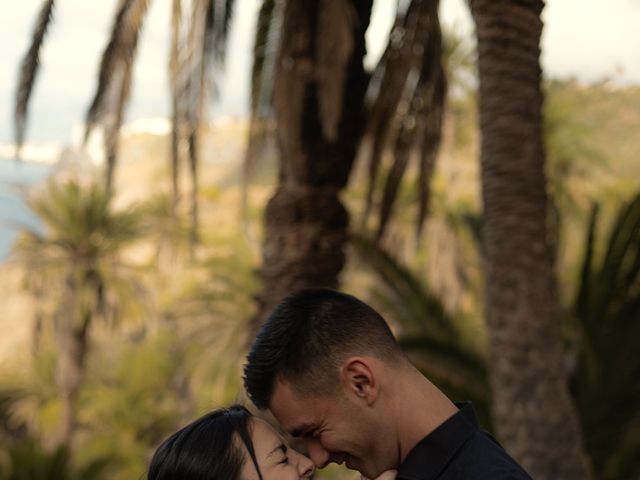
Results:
x,y
206,449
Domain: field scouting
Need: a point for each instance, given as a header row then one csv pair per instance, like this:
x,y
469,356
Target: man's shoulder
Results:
x,y
484,458
460,449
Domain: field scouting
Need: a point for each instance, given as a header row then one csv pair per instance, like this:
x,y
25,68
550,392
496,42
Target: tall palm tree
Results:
x,y
78,255
328,110
532,407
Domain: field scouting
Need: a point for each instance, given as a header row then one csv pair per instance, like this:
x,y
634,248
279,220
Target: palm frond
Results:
x,y
201,41
428,104
110,59
261,127
114,121
193,164
618,264
607,309
424,311
218,15
402,152
335,48
79,219
263,52
586,279
418,127
29,71
262,71
176,117
120,50
393,88
224,10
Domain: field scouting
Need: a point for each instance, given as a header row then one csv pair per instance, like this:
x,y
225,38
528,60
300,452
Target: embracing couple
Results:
x,y
328,368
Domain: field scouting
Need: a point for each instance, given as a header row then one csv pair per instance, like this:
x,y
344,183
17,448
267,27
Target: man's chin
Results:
x,y
367,473
352,464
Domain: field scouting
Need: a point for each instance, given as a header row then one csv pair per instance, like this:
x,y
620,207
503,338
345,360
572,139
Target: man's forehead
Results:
x,y
292,410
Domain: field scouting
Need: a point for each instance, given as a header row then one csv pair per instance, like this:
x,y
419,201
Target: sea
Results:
x,y
16,178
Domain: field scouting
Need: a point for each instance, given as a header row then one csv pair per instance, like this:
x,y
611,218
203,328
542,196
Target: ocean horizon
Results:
x,y
16,178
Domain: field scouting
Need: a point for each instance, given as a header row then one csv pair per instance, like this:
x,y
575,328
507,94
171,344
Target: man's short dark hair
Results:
x,y
307,337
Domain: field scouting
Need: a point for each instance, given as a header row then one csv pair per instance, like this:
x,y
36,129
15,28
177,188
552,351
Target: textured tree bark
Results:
x,y
306,224
532,409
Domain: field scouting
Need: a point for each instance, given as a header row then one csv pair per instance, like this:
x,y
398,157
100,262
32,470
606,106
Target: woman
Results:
x,y
229,444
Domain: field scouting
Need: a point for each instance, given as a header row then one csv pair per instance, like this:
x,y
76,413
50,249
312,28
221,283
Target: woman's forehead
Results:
x,y
262,432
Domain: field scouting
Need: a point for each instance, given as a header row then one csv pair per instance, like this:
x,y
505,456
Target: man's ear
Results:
x,y
359,380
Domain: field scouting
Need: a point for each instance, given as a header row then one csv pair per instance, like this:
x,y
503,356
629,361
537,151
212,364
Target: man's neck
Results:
x,y
420,407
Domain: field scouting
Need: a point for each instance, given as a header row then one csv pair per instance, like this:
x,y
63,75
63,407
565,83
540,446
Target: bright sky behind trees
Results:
x,y
589,39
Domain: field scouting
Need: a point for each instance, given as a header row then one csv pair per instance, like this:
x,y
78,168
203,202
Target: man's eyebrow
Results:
x,y
302,430
280,448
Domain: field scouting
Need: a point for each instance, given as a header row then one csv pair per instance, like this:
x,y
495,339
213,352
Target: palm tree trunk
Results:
x,y
73,327
306,224
532,409
71,365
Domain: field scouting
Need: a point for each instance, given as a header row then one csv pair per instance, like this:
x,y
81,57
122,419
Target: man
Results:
x,y
329,369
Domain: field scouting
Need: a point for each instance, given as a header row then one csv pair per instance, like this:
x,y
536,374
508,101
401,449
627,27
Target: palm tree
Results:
x,y
532,407
78,258
328,110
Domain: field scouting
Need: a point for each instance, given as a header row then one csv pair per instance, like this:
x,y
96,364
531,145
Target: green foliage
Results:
x,y
606,330
34,403
28,460
573,157
137,395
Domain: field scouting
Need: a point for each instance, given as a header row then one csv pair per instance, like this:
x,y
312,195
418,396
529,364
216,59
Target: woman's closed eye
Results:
x,y
282,450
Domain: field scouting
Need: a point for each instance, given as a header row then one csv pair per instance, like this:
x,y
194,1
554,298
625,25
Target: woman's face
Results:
x,y
276,460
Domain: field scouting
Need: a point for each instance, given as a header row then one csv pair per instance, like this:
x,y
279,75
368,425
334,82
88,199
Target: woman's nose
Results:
x,y
305,466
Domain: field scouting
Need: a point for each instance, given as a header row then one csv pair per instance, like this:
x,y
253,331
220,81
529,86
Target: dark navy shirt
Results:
x,y
459,450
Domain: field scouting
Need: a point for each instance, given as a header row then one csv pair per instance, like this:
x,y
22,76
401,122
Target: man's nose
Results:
x,y
319,456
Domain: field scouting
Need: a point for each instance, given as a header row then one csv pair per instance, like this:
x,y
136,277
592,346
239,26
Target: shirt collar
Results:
x,y
434,452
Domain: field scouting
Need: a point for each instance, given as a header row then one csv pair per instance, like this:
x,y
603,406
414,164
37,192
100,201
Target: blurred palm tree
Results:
x,y
532,407
75,265
606,337
308,75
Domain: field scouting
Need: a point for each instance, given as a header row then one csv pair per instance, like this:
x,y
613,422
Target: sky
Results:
x,y
587,39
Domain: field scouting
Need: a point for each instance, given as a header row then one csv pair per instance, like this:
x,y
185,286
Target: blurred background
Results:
x,y
170,170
